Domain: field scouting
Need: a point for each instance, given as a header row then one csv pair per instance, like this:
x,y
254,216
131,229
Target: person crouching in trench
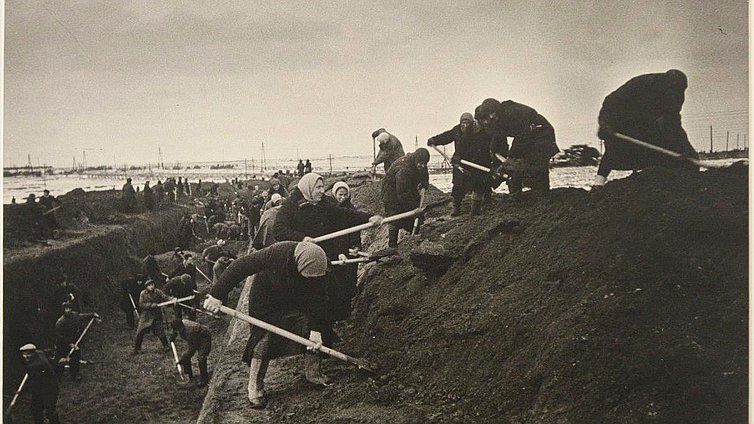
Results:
x,y
288,291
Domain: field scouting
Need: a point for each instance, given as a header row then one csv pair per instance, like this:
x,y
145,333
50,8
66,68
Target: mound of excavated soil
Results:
x,y
626,305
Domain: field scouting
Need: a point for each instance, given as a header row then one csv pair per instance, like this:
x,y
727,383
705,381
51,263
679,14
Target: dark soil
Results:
x,y
625,305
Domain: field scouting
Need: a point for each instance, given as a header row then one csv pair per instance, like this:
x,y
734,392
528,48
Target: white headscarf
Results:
x,y
306,185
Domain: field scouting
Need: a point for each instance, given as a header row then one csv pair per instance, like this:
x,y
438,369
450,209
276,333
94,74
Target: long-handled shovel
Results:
x,y
15,395
204,275
668,152
359,362
367,257
460,168
81,337
422,196
52,210
176,300
201,311
496,178
397,217
133,305
177,364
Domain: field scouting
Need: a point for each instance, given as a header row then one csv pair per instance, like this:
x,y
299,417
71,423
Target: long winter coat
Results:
x,y
473,146
341,288
150,314
299,218
634,109
533,136
278,290
42,380
400,188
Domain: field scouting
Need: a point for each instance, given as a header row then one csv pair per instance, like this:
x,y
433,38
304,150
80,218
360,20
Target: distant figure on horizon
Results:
x,y
647,107
129,196
307,167
48,203
300,168
148,197
390,149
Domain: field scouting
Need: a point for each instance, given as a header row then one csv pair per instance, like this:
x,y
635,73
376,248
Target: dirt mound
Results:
x,y
625,305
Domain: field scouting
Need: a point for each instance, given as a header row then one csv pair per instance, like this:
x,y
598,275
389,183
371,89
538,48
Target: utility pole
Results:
x,y
330,155
263,160
710,138
737,137
727,138
245,169
416,142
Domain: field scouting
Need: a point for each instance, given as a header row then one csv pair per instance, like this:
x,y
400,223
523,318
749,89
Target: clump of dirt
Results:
x,y
625,305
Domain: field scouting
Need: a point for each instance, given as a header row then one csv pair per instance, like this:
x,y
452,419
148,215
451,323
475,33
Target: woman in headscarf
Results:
x,y
307,214
342,287
288,292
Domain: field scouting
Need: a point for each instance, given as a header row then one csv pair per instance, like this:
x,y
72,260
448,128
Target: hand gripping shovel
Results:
x,y
496,177
670,153
359,362
458,167
422,196
177,300
177,364
410,214
81,337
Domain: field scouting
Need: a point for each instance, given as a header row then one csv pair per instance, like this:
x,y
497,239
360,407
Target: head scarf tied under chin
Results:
x,y
339,185
311,260
306,185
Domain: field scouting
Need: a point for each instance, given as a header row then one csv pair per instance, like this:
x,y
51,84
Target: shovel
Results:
x,y
15,396
421,204
410,214
52,210
177,300
81,337
670,153
177,364
496,178
368,257
359,362
460,168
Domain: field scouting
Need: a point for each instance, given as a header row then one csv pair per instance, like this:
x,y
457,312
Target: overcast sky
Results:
x,y
213,81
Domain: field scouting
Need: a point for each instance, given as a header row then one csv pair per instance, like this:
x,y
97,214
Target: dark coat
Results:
x,y
67,293
400,188
42,378
181,269
68,327
264,236
341,286
299,218
533,136
390,152
150,314
278,289
647,109
474,147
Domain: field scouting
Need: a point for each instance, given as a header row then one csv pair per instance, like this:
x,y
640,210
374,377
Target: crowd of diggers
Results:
x,y
297,285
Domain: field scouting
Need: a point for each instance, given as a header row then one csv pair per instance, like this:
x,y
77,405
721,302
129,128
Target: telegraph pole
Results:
x,y
710,138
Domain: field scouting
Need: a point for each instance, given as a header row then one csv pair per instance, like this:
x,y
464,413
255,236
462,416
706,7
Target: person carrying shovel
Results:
x,y
648,108
150,316
42,381
68,330
199,340
471,144
288,292
400,190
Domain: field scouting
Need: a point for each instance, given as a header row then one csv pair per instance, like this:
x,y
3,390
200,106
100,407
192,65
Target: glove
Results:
x,y
316,337
212,305
605,131
376,220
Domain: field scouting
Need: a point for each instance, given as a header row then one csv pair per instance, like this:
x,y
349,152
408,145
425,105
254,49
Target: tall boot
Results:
x,y
188,369
392,235
313,369
257,370
165,344
456,206
204,374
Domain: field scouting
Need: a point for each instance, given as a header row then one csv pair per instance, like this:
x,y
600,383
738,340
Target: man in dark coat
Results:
x,y
186,267
400,189
471,144
647,107
68,328
211,254
533,142
390,149
152,269
307,167
129,196
129,289
150,317
288,291
300,168
199,340
181,286
66,292
148,197
43,384
47,204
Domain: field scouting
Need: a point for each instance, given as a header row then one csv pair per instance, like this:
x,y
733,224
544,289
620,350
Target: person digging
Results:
x,y
199,340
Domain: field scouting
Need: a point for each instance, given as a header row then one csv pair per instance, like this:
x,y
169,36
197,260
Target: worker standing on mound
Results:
x,y
199,340
471,144
67,331
43,384
391,149
532,147
400,190
288,292
647,107
150,317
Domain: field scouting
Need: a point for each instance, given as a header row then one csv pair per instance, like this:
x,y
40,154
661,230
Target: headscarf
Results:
x,y
311,260
467,116
339,185
306,184
382,138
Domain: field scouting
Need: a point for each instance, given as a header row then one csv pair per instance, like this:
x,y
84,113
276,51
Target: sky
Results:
x,y
212,81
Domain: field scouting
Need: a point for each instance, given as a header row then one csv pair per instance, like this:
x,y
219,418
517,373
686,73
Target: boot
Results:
x,y
203,374
257,370
476,207
165,344
313,369
456,207
188,369
392,235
